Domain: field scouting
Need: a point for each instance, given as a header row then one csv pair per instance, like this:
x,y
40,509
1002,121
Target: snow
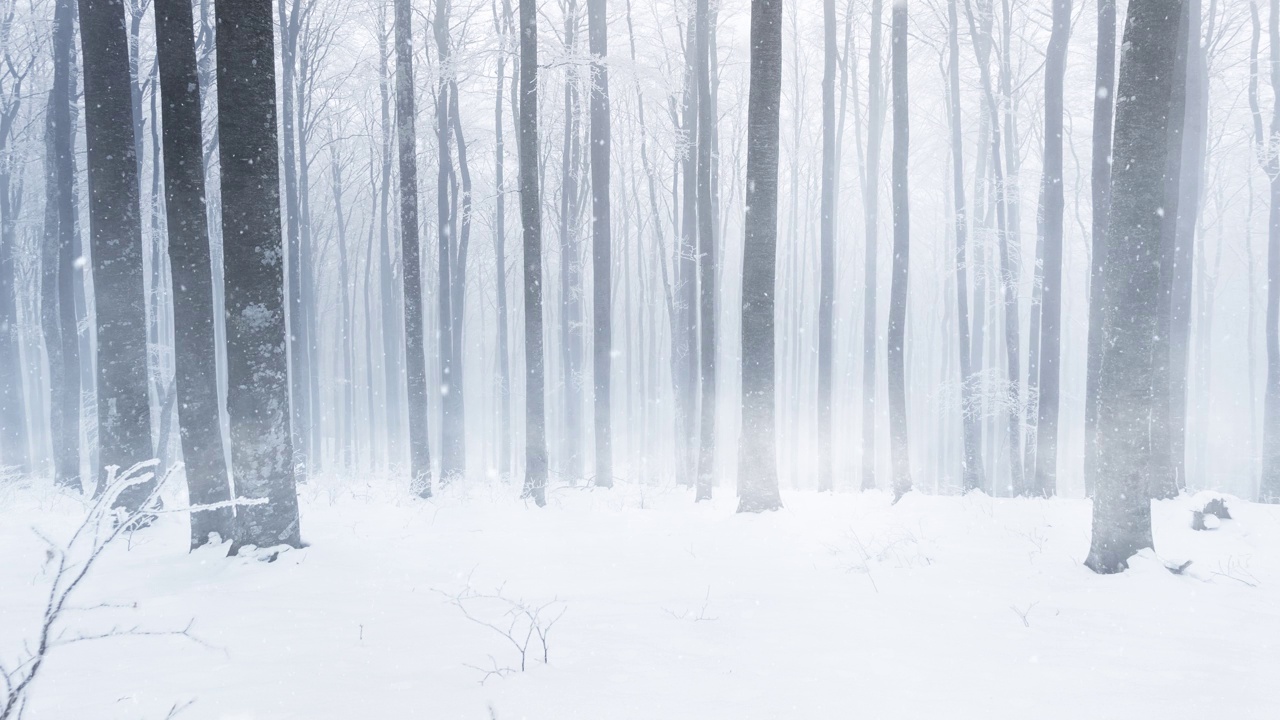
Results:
x,y
838,606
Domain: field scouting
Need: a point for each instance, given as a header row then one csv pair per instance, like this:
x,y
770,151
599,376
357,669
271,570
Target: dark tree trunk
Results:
x,y
535,479
1131,286
826,269
411,273
1046,481
115,228
971,470
257,364
601,251
896,338
1103,112
708,245
757,451
195,349
871,204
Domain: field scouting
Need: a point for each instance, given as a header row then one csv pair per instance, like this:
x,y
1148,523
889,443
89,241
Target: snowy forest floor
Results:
x,y
838,606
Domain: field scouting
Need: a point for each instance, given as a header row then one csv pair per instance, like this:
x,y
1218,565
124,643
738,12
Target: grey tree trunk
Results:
x,y
195,348
826,271
1103,112
411,273
1131,286
601,251
13,407
896,338
1269,487
503,29
708,245
535,479
392,322
871,204
971,470
757,450
571,296
115,230
257,364
1046,481
452,442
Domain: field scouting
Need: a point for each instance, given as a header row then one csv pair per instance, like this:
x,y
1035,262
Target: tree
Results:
x,y
871,204
115,230
195,350
826,261
757,453
411,274
13,407
707,246
451,277
1131,286
503,29
1046,481
1269,489
601,251
535,478
896,339
1103,113
257,363
971,470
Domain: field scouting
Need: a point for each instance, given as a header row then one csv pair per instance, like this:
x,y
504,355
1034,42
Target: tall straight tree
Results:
x,y
502,26
896,338
827,252
601,251
535,473
452,441
257,363
1131,285
1103,113
971,469
871,204
115,231
707,253
1269,488
1046,480
411,275
64,377
195,350
571,296
13,406
757,450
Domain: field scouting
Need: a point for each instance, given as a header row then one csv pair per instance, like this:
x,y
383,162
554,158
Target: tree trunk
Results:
x,y
452,442
1269,489
571,312
708,245
411,273
257,366
503,29
392,322
1103,112
826,272
535,480
1131,286
1046,481
195,348
896,338
871,204
971,469
602,261
757,451
115,227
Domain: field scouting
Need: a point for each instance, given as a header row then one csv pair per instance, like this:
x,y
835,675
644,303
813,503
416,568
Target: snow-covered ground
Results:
x,y
839,606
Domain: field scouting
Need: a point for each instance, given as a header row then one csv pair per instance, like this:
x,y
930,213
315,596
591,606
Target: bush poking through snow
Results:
x,y
516,620
69,564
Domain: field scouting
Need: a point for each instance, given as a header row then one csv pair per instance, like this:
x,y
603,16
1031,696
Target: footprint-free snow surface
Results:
x,y
838,606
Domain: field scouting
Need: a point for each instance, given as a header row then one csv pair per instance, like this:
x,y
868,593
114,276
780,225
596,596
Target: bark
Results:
x,y
1103,112
896,338
602,261
13,409
686,271
1046,481
1269,489
571,296
195,348
452,443
971,467
115,229
826,272
535,480
411,272
503,30
871,203
757,453
392,322
257,365
1131,286
708,245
